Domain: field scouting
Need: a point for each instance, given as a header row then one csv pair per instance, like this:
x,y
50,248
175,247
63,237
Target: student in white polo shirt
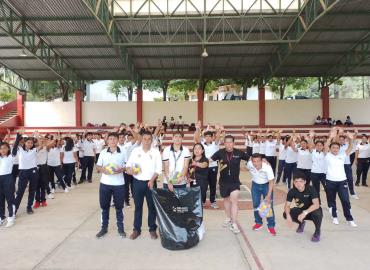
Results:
x,y
210,143
68,155
270,149
336,182
89,149
318,169
304,159
28,174
149,162
362,160
290,160
43,170
176,159
111,164
54,164
282,157
347,162
262,187
99,145
6,185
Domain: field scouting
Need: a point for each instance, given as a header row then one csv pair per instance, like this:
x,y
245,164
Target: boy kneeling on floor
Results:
x,y
307,206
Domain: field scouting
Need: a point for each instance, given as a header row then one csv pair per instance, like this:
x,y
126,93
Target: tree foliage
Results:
x,y
121,87
157,86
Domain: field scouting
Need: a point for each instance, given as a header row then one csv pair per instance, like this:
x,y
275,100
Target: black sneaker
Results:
x,y
81,181
29,210
90,181
122,233
101,233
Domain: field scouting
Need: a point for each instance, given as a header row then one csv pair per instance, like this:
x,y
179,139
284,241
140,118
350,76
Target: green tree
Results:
x,y
118,87
280,84
157,86
179,89
7,93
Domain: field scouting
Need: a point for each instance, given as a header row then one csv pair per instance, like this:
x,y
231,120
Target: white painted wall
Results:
x,y
111,113
231,112
292,112
278,112
154,110
358,109
50,114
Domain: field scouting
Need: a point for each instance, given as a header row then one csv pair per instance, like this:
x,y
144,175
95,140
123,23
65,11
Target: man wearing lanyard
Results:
x,y
145,165
211,146
176,163
229,159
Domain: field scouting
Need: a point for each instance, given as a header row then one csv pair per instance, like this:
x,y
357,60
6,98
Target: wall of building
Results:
x,y
111,113
292,112
358,109
49,114
231,112
278,112
154,110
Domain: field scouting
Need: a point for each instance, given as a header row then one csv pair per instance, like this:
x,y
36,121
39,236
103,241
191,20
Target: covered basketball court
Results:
x,y
78,41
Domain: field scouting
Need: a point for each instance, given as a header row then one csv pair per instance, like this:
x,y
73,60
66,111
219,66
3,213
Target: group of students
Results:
x,y
139,160
314,161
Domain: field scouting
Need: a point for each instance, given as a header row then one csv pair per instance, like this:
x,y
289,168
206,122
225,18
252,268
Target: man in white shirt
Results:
x,y
176,159
211,145
347,164
145,164
89,150
270,150
362,160
291,159
262,186
99,145
111,164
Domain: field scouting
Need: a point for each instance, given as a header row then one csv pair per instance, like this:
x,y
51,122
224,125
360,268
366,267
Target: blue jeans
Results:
x,y
258,191
141,191
288,173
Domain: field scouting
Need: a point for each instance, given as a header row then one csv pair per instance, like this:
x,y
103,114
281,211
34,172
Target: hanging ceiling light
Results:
x,y
204,53
23,53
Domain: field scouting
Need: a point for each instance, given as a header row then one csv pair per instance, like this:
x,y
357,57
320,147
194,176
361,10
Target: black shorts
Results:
x,y
226,189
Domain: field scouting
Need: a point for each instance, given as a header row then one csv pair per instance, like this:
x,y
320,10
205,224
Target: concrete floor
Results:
x,y
62,236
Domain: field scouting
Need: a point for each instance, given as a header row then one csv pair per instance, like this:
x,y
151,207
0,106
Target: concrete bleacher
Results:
x,y
234,130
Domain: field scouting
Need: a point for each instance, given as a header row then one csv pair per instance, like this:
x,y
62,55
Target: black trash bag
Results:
x,y
180,214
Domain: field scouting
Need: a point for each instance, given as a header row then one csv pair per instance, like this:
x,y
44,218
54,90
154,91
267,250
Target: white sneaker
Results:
x,y
330,211
214,205
354,196
52,190
234,228
227,223
335,221
2,221
352,224
66,190
51,196
10,222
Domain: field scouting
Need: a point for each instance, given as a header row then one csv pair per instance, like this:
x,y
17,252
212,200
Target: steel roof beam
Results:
x,y
311,12
13,79
102,10
34,44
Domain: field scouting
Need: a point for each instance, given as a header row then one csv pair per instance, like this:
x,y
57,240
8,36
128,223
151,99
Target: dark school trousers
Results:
x,y
87,165
349,175
106,192
272,161
316,179
341,188
27,177
128,187
362,169
281,166
212,183
57,170
68,170
6,194
141,191
315,216
43,183
288,173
